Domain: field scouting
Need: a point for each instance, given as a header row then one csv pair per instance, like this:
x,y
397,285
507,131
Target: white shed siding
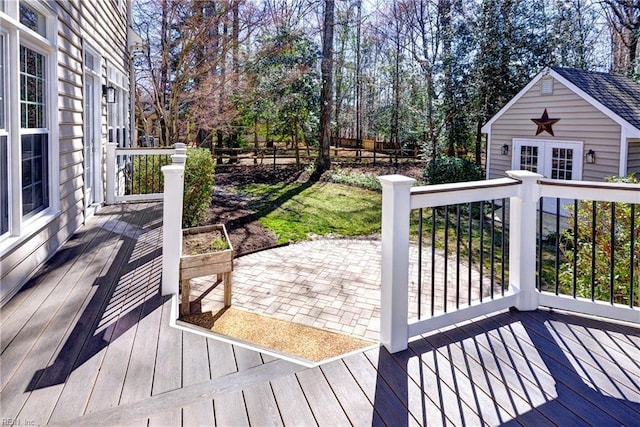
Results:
x,y
579,121
105,25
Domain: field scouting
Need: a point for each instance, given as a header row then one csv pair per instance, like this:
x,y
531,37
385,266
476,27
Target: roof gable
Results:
x,y
619,94
617,97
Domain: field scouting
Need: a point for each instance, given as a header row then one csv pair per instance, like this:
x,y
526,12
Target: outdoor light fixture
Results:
x,y
137,50
591,157
110,93
505,150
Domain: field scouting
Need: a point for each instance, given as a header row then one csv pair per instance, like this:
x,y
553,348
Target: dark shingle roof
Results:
x,y
619,94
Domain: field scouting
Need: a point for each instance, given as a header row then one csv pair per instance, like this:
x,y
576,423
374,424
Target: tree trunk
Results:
x,y
324,161
358,83
478,147
219,146
255,140
294,141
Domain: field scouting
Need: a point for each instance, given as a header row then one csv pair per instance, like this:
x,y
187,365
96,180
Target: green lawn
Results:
x,y
297,211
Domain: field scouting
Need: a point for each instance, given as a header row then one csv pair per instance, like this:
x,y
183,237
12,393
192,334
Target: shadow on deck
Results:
x,y
516,368
87,342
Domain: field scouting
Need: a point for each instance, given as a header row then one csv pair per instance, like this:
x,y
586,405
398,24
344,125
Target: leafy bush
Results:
x,y
368,181
600,242
145,174
199,179
443,170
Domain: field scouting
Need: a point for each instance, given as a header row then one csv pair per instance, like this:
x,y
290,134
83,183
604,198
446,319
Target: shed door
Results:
x,y
553,159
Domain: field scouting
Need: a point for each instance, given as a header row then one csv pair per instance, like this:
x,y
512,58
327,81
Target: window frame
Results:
x,y
5,177
93,71
21,227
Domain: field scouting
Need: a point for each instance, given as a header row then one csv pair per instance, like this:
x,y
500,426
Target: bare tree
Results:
x,y
624,18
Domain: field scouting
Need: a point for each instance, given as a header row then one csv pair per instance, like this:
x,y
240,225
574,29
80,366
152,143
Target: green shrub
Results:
x,y
199,179
368,181
145,174
452,169
597,238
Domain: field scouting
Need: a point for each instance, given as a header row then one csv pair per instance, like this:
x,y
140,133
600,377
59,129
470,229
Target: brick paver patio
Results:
x,y
328,283
332,284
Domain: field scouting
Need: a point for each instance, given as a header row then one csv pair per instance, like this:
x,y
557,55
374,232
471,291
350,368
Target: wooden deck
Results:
x,y
87,342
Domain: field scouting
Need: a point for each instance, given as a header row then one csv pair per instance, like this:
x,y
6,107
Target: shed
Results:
x,y
568,124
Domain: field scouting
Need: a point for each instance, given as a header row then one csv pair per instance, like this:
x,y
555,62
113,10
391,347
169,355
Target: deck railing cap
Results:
x,y
524,175
396,181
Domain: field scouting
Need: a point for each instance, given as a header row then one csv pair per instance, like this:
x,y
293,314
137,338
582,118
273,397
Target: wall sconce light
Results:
x,y
138,50
504,150
110,93
591,157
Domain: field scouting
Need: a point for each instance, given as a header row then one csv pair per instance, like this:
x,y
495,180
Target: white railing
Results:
x,y
172,221
524,190
133,174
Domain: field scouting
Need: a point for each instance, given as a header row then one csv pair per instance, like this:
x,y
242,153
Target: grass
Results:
x,y
297,211
473,239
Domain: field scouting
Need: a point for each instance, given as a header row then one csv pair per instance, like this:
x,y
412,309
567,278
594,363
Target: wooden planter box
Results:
x,y
206,264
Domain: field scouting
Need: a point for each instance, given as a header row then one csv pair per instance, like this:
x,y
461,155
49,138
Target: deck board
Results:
x,y
573,386
43,309
138,381
617,366
326,409
55,334
425,368
291,401
195,355
88,342
387,408
230,409
86,347
261,405
357,407
222,358
394,376
20,309
494,386
168,375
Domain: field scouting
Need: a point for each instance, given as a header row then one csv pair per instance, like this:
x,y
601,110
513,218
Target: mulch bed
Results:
x,y
295,339
231,208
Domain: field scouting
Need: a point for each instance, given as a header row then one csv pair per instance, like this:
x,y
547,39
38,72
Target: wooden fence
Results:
x,y
280,156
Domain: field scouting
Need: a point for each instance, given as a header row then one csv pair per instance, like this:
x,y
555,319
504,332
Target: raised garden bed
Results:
x,y
206,251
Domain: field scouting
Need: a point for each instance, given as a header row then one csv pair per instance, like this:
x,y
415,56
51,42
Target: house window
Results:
x,y
32,89
118,112
35,194
28,121
34,143
33,19
2,80
4,186
4,176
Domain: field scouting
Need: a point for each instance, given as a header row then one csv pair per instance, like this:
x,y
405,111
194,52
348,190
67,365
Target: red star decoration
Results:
x,y
544,123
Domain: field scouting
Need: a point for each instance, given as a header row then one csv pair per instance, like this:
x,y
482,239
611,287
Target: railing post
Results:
x,y
180,155
111,173
394,306
523,210
172,221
